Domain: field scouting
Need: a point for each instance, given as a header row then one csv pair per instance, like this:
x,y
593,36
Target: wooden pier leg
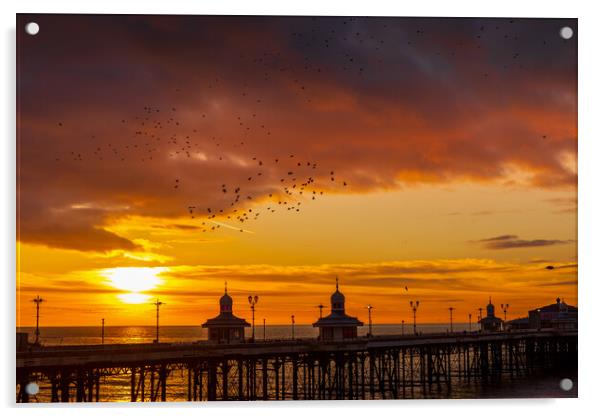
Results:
x,y
395,373
22,396
133,384
79,387
449,367
350,360
412,372
295,360
211,381
142,382
322,376
311,378
97,385
195,383
371,375
363,374
189,383
276,379
153,388
241,393
429,366
163,380
305,375
264,376
283,379
403,373
200,383
54,388
65,379
253,379
90,384
225,371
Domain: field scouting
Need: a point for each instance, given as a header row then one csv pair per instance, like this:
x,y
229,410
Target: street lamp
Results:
x,y
320,306
414,306
369,307
470,322
293,325
505,309
480,315
253,301
37,300
157,305
451,319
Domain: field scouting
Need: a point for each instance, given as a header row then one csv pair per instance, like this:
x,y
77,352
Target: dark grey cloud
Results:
x,y
509,241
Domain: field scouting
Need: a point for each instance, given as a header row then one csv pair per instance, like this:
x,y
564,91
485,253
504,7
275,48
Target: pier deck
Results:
x,y
374,367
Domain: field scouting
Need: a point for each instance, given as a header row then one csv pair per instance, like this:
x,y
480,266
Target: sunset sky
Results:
x,y
437,154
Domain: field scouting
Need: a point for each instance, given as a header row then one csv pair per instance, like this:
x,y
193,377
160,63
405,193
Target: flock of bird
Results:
x,y
156,132
280,182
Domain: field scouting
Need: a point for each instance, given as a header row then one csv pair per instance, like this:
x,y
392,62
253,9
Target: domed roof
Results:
x,y
337,297
337,300
225,300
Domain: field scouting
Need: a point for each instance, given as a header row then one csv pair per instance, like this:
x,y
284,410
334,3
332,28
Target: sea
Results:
x,y
539,385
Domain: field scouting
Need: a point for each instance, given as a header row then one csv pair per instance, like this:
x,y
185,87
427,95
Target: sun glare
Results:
x,y
134,280
133,298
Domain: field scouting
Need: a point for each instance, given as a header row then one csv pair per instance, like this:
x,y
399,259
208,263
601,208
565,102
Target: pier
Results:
x,y
377,367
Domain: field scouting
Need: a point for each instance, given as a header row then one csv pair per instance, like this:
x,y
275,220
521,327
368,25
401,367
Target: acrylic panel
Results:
x,y
295,208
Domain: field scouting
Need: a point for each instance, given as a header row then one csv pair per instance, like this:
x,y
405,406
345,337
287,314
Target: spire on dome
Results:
x,y
225,302
337,300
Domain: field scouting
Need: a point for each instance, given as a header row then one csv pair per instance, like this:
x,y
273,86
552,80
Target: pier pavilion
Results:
x,y
491,323
226,328
338,325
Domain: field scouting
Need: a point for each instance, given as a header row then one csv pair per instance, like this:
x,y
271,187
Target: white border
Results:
x,y
590,208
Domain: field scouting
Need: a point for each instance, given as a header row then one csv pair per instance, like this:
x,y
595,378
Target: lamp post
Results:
x,y
369,307
505,310
414,306
157,305
102,333
293,326
37,300
451,319
402,327
253,301
480,315
470,322
320,306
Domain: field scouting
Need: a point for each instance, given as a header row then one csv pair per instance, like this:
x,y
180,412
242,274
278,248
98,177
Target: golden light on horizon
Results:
x,y
133,298
134,280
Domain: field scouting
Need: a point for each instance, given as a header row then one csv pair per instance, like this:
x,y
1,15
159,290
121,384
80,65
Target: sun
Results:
x,y
134,281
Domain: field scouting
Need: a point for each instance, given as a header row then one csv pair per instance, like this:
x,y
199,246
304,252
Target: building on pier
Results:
x,y
337,325
518,324
226,328
557,315
491,323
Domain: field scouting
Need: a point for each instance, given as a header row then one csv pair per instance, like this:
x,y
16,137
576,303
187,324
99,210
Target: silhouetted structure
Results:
x,y
379,367
557,315
337,325
226,328
491,322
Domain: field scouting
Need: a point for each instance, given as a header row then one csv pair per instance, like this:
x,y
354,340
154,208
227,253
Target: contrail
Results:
x,y
231,227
